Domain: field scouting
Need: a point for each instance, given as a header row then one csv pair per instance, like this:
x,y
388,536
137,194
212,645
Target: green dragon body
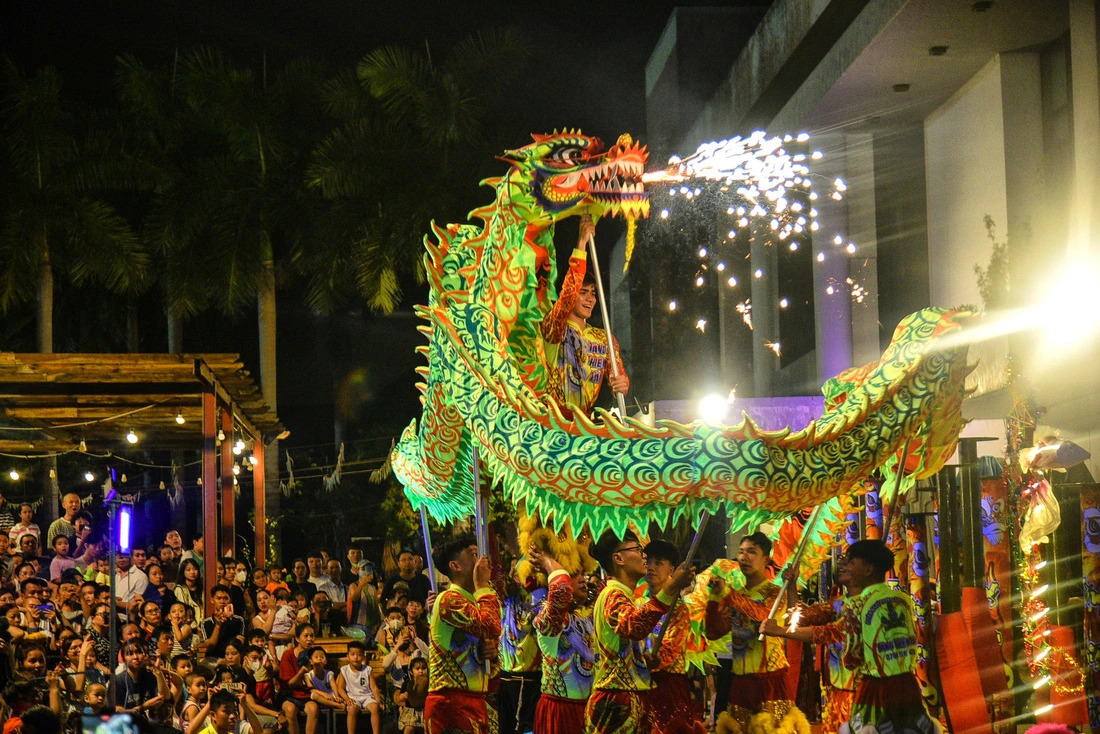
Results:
x,y
485,382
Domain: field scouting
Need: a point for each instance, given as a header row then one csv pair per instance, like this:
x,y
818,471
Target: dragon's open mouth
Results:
x,y
617,184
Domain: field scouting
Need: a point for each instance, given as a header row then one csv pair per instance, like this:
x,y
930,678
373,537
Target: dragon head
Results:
x,y
567,173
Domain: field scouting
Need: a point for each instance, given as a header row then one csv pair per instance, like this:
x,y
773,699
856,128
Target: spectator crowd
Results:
x,y
268,649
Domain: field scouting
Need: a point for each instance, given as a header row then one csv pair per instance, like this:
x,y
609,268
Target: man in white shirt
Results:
x,y
130,583
337,590
317,575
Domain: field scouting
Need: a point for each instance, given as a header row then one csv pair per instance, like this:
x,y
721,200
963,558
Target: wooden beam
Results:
x,y
209,489
228,544
14,389
259,505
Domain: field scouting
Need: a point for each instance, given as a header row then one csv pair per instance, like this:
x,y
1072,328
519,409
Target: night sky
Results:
x,y
587,70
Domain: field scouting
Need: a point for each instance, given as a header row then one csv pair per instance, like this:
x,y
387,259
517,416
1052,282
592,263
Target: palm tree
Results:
x,y
52,224
234,203
408,134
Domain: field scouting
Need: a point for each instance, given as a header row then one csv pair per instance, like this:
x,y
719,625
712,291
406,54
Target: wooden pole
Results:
x,y
259,503
228,535
428,547
209,486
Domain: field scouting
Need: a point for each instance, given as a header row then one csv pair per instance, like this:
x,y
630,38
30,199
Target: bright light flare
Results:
x,y
701,325
713,409
131,436
14,475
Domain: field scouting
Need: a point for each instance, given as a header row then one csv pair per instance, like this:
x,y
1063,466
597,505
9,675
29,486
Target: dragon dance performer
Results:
x,y
465,628
519,663
670,703
565,639
838,682
576,353
880,639
618,703
759,670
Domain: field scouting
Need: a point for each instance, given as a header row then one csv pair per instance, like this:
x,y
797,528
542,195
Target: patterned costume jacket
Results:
x,y
565,639
620,628
460,621
740,612
879,631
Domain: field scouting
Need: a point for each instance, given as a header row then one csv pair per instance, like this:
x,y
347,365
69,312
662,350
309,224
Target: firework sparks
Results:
x,y
775,347
745,309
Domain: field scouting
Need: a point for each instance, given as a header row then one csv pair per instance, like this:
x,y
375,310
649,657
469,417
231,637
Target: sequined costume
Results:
x,y
577,358
618,702
456,670
838,682
759,670
520,664
670,704
565,638
880,639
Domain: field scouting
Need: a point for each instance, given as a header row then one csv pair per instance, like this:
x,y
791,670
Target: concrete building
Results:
x,y
941,116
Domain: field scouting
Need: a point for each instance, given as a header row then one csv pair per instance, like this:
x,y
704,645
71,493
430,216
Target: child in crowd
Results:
x,y
356,687
197,691
95,698
386,639
320,680
181,631
259,666
275,580
410,698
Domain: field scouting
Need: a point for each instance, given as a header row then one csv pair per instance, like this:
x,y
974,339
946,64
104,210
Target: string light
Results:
x,y
783,303
672,305
702,252
131,436
851,248
758,273
179,417
14,475
221,435
236,468
699,281
732,282
253,460
701,325
821,257
664,214
720,267
89,477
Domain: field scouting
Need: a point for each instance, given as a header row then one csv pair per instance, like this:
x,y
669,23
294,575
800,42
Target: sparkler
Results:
x,y
792,620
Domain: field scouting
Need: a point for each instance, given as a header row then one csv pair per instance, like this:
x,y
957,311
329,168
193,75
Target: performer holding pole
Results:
x,y
759,669
578,356
619,702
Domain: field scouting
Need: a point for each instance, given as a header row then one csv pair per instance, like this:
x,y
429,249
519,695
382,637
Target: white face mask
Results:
x,y
241,576
396,624
252,665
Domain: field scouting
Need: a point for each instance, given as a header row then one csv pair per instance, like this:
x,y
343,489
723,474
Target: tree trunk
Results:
x,y
45,303
175,334
50,486
133,336
265,311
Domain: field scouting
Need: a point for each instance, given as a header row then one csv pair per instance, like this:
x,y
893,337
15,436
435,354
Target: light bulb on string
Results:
x,y
124,480
83,446
131,437
162,484
253,460
236,468
179,417
89,477
732,282
14,475
237,448
221,435
672,305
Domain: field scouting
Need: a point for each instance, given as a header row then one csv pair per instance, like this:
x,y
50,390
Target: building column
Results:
x,y
765,312
1083,45
832,301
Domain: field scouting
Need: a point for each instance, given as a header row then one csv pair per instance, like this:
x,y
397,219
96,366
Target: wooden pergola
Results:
x,y
94,399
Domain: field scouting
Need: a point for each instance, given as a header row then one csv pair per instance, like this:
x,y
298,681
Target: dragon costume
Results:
x,y
485,383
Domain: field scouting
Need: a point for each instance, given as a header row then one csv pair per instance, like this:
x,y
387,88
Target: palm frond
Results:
x,y
102,246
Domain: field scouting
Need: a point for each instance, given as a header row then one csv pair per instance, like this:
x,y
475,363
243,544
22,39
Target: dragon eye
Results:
x,y
572,156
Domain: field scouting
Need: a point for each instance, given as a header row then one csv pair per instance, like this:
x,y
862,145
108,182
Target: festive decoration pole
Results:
x,y
794,560
892,508
481,510
606,322
687,560
428,547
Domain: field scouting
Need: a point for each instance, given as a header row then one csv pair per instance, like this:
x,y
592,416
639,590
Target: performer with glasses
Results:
x,y
618,702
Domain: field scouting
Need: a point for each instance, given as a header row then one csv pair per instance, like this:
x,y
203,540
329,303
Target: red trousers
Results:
x,y
556,715
455,710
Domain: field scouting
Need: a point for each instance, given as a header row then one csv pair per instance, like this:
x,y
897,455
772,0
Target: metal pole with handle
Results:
x,y
481,511
428,548
687,560
795,558
613,359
